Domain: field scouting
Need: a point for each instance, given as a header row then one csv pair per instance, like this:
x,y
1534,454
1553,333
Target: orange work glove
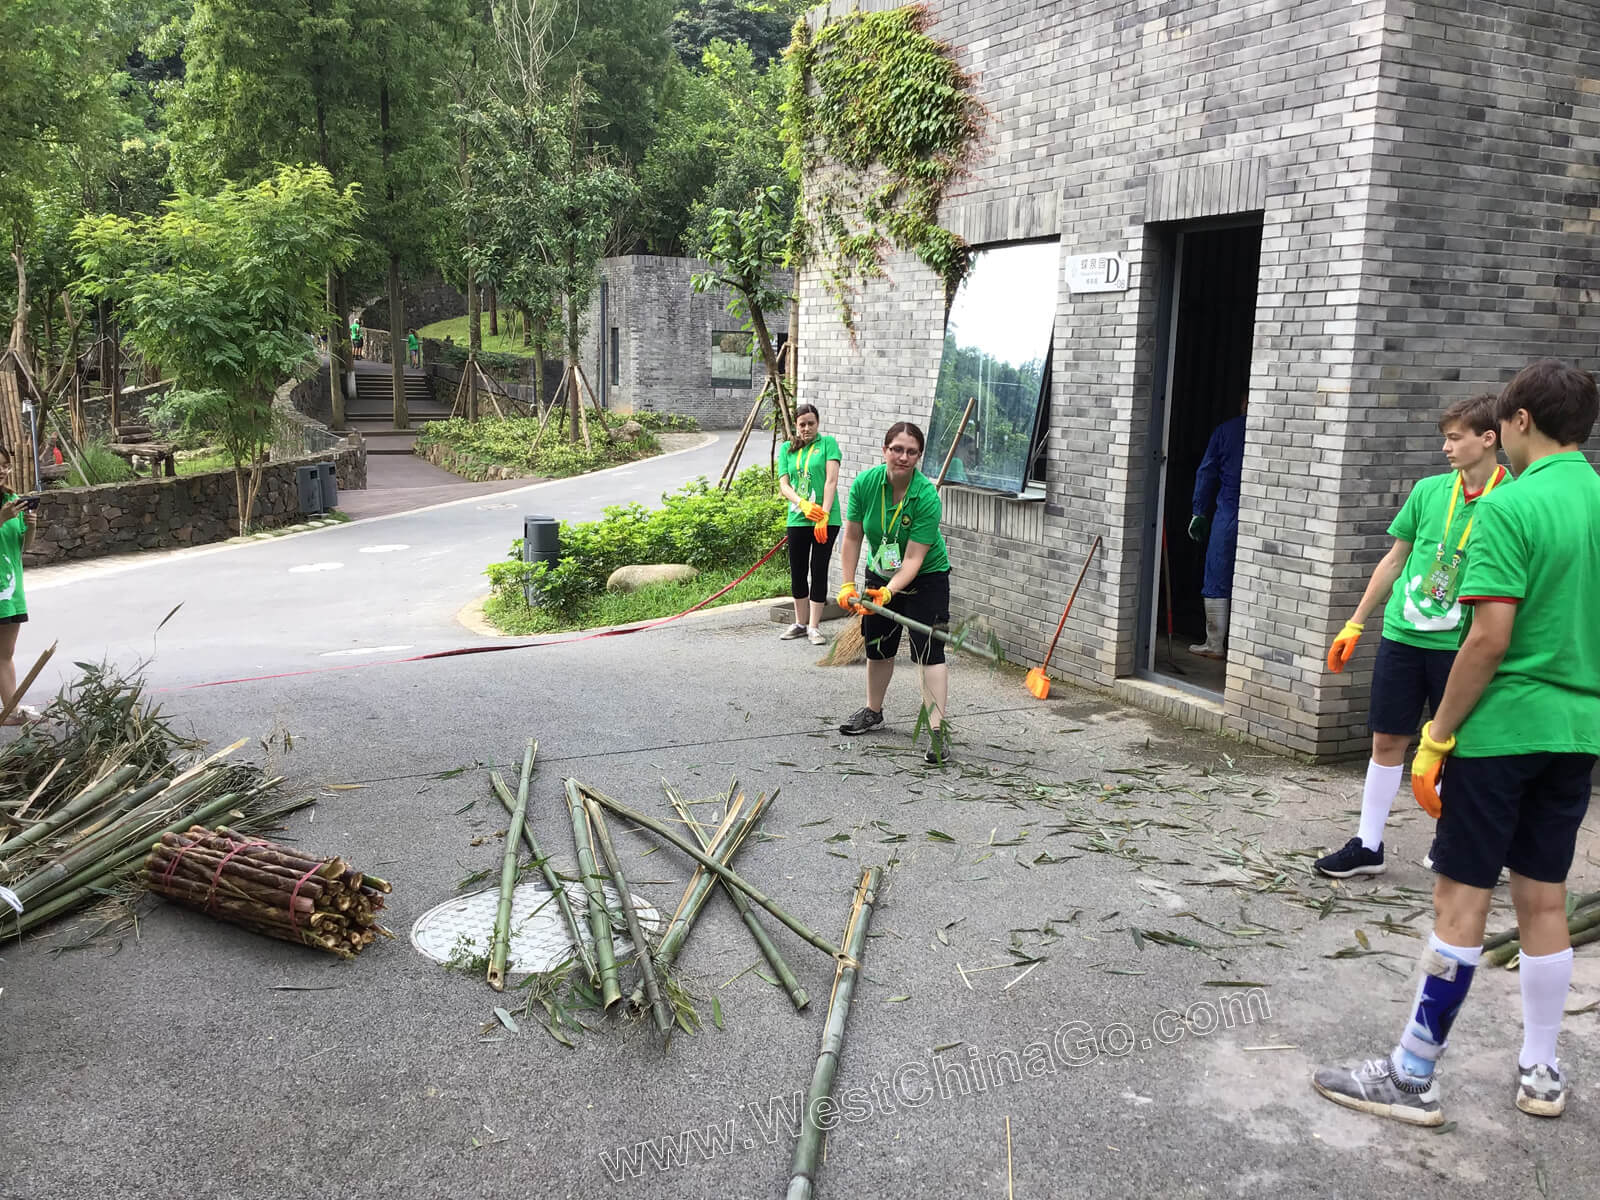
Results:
x,y
813,512
880,596
847,598
1425,770
1344,646
819,529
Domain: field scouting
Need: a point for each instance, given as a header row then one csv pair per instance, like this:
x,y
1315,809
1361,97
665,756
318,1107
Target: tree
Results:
x,y
622,49
221,291
763,27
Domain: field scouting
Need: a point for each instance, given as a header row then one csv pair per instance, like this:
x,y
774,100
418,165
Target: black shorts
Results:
x,y
15,619
1404,678
1519,811
926,600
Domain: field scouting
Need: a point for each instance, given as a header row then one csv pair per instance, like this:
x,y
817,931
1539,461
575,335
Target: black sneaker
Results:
x,y
937,755
1353,859
862,720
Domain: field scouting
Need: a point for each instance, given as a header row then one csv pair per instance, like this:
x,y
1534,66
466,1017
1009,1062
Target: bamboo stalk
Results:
x,y
599,918
803,1170
500,947
764,943
1581,921
542,861
34,795
722,872
163,866
275,880
647,968
27,682
103,789
699,886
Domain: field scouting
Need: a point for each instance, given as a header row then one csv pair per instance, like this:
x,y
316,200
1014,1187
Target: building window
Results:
x,y
997,352
616,355
730,358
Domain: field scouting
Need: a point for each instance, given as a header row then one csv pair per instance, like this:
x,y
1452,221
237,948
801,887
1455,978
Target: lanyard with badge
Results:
x,y
1441,582
887,560
802,470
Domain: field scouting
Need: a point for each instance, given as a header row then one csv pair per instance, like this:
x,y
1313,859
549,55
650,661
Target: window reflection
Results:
x,y
996,347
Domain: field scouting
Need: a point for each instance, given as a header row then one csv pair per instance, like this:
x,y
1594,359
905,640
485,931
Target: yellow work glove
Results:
x,y
819,529
1344,646
847,599
1425,770
880,596
813,512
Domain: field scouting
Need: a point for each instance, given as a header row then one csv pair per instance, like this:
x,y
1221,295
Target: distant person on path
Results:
x,y
1423,619
1505,764
1216,485
894,508
808,477
355,338
413,349
18,521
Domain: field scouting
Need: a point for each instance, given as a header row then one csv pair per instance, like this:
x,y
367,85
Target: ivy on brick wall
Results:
x,y
878,122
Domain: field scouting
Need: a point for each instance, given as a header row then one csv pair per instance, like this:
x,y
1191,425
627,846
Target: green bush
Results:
x,y
655,422
94,464
187,419
508,442
514,367
698,524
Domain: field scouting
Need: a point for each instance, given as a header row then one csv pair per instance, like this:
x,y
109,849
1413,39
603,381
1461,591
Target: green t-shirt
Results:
x,y
872,503
807,470
411,341
1423,609
1539,544
12,532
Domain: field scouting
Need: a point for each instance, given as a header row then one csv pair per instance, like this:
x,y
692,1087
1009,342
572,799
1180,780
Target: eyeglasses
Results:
x,y
903,451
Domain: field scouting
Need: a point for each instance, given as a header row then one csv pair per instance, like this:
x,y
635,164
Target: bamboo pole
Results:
x,y
542,861
1581,921
956,441
27,681
722,872
955,643
599,918
500,947
764,943
103,789
803,1171
647,969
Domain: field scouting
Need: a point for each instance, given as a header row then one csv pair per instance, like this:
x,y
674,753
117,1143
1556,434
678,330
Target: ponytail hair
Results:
x,y
803,410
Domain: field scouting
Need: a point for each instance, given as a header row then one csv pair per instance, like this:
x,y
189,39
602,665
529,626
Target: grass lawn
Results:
x,y
210,462
510,615
456,329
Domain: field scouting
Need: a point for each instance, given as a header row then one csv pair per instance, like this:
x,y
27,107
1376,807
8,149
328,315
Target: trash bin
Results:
x,y
308,487
541,542
329,479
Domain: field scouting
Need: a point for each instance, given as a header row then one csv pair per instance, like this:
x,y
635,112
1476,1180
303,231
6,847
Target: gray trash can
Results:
x,y
541,542
308,487
330,485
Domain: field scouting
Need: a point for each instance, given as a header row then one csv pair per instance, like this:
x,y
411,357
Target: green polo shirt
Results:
x,y
1416,613
1539,544
12,601
872,504
807,469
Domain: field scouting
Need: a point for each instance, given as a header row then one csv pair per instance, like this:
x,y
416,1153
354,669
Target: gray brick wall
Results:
x,y
664,340
1427,186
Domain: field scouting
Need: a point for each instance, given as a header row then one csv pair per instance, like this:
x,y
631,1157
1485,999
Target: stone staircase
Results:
x,y
371,409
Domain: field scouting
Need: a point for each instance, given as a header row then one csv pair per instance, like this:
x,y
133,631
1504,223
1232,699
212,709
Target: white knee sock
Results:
x,y
1377,798
1545,978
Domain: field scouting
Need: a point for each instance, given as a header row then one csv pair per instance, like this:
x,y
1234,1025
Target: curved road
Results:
x,y
373,588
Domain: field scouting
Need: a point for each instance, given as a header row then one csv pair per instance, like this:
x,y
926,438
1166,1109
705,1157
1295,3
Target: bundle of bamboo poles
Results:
x,y
1583,923
269,889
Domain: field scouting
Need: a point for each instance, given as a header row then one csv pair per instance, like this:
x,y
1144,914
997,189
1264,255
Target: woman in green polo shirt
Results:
x,y
16,530
895,509
808,477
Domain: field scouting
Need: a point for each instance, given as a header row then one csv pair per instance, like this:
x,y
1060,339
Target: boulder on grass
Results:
x,y
628,431
631,579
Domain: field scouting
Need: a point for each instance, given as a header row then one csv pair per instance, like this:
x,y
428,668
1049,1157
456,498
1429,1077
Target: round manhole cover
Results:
x,y
463,928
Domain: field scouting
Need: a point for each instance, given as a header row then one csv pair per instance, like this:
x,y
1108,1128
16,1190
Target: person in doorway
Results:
x,y
894,508
808,477
355,338
1216,490
413,349
18,521
1422,621
1506,761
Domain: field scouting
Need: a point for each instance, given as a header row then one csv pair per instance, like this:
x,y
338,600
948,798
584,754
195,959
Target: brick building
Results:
x,y
1355,211
654,344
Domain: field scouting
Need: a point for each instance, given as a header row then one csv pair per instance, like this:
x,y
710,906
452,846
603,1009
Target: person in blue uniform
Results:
x,y
1216,523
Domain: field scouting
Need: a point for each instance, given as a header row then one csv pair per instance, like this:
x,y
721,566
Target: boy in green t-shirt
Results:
x,y
355,339
1521,717
1423,619
413,349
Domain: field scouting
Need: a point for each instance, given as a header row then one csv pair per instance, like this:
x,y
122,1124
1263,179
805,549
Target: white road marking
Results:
x,y
363,650
304,568
390,548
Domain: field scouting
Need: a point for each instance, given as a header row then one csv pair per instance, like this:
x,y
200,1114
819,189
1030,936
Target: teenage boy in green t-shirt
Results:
x,y
1423,619
1521,718
808,477
413,350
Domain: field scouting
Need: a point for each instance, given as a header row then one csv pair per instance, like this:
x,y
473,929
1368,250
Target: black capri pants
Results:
x,y
926,600
808,563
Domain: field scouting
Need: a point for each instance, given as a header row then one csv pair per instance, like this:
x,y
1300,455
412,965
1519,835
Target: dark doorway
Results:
x,y
1208,314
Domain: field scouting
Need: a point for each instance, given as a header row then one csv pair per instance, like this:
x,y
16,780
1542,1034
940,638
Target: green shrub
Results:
x,y
187,419
94,464
698,524
514,367
508,442
655,422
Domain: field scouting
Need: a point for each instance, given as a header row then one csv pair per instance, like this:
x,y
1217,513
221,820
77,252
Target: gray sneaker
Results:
x,y
1541,1092
861,721
1377,1086
793,633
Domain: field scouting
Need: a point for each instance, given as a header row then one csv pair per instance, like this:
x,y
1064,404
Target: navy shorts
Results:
x,y
1404,678
1519,811
927,600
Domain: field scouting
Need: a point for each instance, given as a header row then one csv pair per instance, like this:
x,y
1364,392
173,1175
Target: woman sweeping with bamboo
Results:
x,y
895,509
808,477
